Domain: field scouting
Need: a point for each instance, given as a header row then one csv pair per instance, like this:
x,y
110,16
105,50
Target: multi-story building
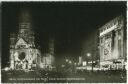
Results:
x,y
80,60
48,57
112,43
23,52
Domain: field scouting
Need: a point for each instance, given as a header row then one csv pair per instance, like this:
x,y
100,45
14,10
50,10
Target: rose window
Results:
x,y
22,55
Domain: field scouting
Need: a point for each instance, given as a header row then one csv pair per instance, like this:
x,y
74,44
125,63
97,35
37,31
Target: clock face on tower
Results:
x,y
22,55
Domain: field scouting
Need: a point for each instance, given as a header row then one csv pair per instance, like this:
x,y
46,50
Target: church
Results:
x,y
24,55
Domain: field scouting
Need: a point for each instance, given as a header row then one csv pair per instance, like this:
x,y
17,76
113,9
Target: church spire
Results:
x,y
25,20
25,26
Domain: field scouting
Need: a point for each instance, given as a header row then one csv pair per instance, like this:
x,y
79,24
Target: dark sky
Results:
x,y
72,24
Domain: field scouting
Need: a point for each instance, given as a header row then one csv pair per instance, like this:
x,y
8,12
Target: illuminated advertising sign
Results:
x,y
107,49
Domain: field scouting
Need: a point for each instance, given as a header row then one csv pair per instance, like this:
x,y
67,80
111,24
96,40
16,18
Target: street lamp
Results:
x,y
70,62
67,60
89,55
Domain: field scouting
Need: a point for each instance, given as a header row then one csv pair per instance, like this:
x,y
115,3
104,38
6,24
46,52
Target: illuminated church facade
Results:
x,y
23,52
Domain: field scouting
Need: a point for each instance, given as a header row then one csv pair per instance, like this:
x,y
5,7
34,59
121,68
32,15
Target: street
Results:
x,y
63,77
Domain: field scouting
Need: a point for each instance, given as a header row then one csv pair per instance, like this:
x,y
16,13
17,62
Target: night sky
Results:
x,y
73,25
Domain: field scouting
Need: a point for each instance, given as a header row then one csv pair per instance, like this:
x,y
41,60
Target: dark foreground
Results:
x,y
40,76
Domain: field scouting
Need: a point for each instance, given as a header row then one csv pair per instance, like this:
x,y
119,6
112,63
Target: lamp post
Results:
x,y
89,55
66,60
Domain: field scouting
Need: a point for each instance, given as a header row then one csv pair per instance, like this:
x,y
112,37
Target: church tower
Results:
x,y
23,53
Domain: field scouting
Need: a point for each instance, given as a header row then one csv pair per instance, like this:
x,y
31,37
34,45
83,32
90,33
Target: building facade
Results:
x,y
80,60
47,60
112,43
23,52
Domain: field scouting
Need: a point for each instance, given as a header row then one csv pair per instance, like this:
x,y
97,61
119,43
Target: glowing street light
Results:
x,y
89,55
67,60
70,62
